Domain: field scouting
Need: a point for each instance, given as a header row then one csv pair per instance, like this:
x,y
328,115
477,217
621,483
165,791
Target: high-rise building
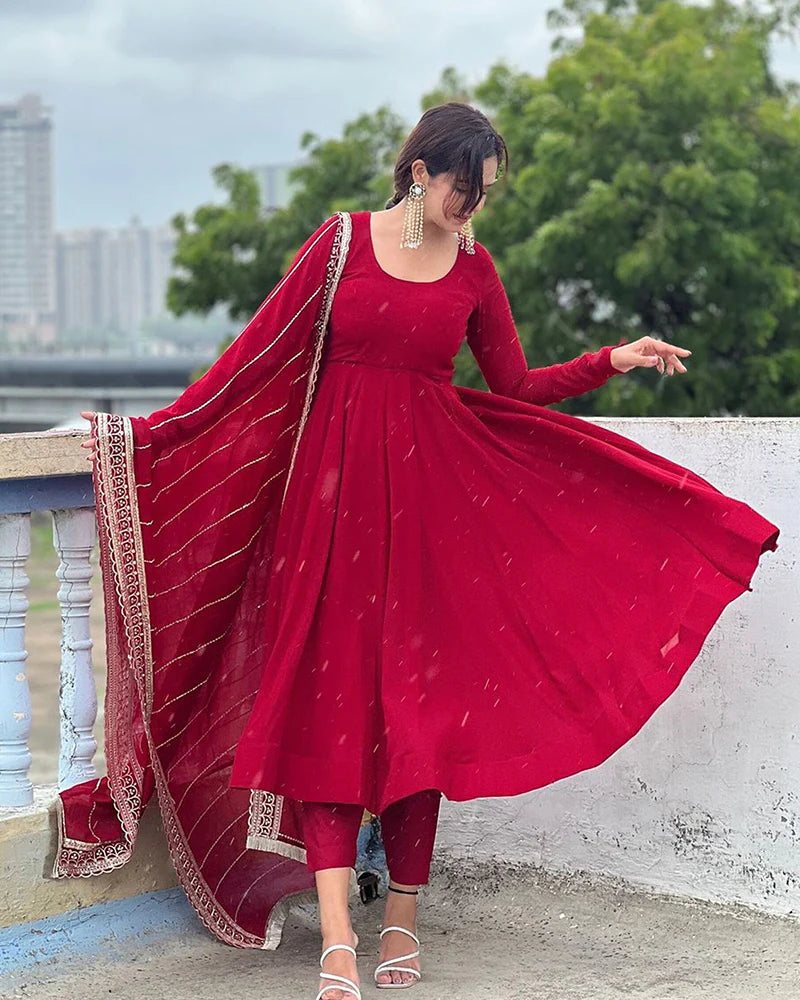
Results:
x,y
112,279
27,267
274,184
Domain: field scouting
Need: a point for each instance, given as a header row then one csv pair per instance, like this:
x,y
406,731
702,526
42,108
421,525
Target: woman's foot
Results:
x,y
341,963
401,911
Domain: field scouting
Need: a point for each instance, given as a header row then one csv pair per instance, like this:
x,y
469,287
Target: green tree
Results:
x,y
452,86
348,174
653,190
234,253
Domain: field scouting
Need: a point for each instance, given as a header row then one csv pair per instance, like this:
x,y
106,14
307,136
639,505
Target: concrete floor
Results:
x,y
486,931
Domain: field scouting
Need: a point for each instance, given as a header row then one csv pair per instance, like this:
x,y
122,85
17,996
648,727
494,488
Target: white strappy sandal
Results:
x,y
347,985
390,965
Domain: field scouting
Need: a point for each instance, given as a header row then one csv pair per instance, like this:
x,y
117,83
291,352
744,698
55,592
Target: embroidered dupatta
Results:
x,y
187,502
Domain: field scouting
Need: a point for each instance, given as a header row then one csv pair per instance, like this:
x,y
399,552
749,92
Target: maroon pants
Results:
x,y
408,826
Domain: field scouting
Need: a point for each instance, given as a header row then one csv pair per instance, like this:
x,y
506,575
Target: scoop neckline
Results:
x,y
394,277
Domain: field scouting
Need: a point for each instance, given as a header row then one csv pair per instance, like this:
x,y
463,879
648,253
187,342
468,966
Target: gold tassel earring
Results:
x,y
467,237
412,220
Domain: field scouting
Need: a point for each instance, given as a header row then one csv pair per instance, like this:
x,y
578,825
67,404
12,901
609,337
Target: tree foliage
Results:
x,y
652,189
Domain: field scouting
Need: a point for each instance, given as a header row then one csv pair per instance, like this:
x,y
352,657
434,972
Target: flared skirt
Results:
x,y
476,594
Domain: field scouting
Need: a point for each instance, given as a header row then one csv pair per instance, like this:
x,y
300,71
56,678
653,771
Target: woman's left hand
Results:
x,y
647,352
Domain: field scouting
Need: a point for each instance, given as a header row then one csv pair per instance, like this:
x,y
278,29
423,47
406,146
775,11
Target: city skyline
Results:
x,y
115,278
111,279
148,99
58,284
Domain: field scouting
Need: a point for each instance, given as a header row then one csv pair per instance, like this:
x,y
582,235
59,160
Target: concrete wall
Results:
x,y
28,840
705,800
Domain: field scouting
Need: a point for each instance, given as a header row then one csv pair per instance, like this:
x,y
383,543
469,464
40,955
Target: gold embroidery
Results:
x,y
230,867
200,774
341,244
245,430
196,611
235,820
263,305
181,731
191,652
205,569
221,482
228,413
238,372
263,826
219,520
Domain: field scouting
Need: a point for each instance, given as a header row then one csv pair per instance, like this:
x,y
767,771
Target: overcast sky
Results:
x,y
148,96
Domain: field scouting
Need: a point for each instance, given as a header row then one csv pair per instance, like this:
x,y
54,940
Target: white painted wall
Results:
x,y
705,800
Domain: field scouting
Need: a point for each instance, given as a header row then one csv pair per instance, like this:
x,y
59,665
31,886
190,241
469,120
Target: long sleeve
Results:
x,y
493,339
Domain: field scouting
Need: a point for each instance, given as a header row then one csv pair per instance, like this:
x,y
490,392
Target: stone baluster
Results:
x,y
74,537
15,697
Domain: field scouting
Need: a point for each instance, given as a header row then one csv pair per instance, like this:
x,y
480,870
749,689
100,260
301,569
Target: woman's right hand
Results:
x,y
91,441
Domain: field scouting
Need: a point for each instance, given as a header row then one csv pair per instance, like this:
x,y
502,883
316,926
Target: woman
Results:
x,y
382,598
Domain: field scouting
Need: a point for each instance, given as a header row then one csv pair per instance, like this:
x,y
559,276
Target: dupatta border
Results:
x,y
122,570
81,859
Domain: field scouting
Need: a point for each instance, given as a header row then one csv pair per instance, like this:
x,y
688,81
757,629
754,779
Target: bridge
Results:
x,y
47,391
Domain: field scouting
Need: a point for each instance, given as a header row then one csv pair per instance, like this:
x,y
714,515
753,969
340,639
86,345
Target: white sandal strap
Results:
x,y
389,966
333,947
400,958
404,930
348,987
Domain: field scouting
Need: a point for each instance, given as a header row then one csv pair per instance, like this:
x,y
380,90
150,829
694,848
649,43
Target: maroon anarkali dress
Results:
x,y
466,594
329,573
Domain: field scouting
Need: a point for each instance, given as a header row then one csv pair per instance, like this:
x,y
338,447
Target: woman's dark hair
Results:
x,y
451,138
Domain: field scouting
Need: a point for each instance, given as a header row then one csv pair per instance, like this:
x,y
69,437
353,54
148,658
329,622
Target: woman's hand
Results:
x,y
647,352
91,441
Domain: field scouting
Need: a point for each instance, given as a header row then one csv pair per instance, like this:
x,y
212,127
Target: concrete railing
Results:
x,y
42,471
48,471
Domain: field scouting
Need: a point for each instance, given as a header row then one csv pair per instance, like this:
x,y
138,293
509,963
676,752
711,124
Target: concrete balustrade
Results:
x,y
74,537
46,471
15,696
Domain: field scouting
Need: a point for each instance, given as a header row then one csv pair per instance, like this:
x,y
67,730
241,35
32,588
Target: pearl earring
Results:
x,y
412,220
467,237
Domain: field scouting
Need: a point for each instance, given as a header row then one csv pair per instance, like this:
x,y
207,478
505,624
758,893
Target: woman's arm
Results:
x,y
493,339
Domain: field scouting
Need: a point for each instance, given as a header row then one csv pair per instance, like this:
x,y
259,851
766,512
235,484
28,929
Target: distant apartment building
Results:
x,y
112,279
27,265
274,184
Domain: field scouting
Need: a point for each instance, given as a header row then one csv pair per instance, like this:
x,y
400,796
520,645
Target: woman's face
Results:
x,y
444,196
